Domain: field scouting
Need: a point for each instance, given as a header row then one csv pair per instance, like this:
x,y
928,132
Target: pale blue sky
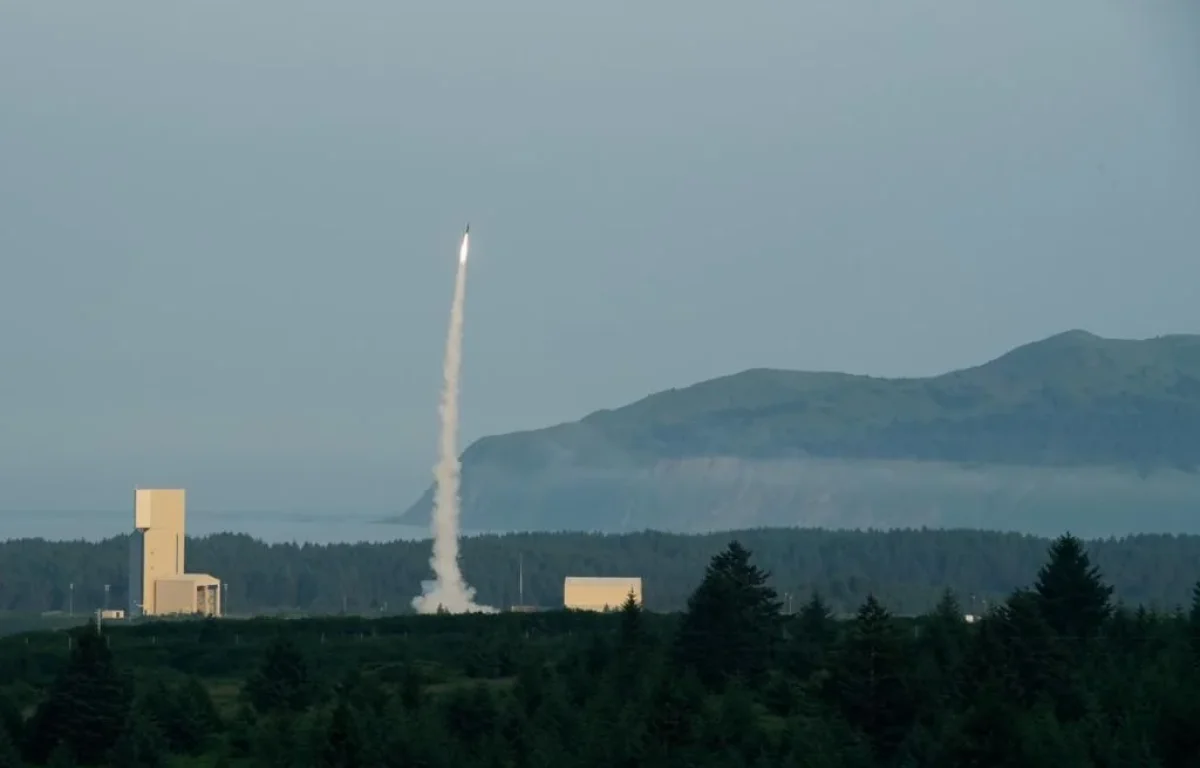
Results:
x,y
228,229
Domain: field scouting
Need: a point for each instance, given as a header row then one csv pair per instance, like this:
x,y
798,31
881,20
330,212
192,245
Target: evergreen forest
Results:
x,y
1058,673
906,570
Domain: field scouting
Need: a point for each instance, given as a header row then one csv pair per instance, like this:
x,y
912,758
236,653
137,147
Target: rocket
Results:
x,y
462,249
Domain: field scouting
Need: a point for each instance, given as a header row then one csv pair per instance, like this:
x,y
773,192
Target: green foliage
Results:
x,y
243,732
349,741
1074,600
183,715
736,684
732,625
10,757
141,744
1194,623
62,757
86,708
280,743
907,569
810,635
868,682
11,724
281,683
633,630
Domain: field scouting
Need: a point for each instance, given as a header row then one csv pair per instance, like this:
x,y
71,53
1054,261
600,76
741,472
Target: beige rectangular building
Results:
x,y
188,593
588,593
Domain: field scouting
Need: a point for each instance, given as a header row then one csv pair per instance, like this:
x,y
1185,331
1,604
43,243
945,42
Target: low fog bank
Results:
x,y
711,494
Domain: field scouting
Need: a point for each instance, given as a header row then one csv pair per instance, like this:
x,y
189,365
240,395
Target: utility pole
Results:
x,y
224,598
71,599
106,587
521,578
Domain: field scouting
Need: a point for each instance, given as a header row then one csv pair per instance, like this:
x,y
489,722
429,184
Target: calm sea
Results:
x,y
273,527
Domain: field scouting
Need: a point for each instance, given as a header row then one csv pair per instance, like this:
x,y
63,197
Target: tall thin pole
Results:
x,y
521,578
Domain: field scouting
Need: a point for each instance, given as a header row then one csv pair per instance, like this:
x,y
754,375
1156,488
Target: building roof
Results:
x,y
602,580
193,578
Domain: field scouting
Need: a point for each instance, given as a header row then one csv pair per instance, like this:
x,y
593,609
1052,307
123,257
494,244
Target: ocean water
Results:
x,y
272,527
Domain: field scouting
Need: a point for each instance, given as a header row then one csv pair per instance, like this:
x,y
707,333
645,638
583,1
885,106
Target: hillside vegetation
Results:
x,y
1073,401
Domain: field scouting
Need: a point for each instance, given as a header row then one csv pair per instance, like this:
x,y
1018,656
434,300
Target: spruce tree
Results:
x,y
61,757
632,647
184,715
363,692
867,682
1027,649
811,634
733,622
1073,598
529,689
194,703
344,746
1193,623
9,756
675,712
141,744
179,729
279,742
471,715
945,643
732,725
632,636
411,694
87,705
12,725
243,729
281,683
985,734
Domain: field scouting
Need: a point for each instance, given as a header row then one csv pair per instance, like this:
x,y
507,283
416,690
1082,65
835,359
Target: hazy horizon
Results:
x,y
230,231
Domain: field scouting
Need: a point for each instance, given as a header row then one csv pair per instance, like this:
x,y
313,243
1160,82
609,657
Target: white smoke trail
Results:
x,y
448,591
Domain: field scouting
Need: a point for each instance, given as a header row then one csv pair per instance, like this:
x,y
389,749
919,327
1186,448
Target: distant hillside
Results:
x,y
1101,434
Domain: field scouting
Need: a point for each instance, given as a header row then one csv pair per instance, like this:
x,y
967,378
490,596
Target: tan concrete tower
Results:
x,y
157,549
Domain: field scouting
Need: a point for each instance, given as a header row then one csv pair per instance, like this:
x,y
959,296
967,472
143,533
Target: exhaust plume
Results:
x,y
448,591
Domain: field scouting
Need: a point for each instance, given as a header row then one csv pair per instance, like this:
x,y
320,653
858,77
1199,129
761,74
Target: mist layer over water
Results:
x,y
332,527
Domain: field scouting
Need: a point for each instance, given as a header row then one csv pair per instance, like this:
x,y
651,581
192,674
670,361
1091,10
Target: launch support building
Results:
x,y
159,584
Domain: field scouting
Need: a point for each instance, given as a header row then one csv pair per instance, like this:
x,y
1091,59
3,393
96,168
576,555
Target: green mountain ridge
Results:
x,y
1074,400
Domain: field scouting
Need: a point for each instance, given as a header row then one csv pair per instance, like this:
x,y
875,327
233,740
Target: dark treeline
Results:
x,y
905,569
1053,675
